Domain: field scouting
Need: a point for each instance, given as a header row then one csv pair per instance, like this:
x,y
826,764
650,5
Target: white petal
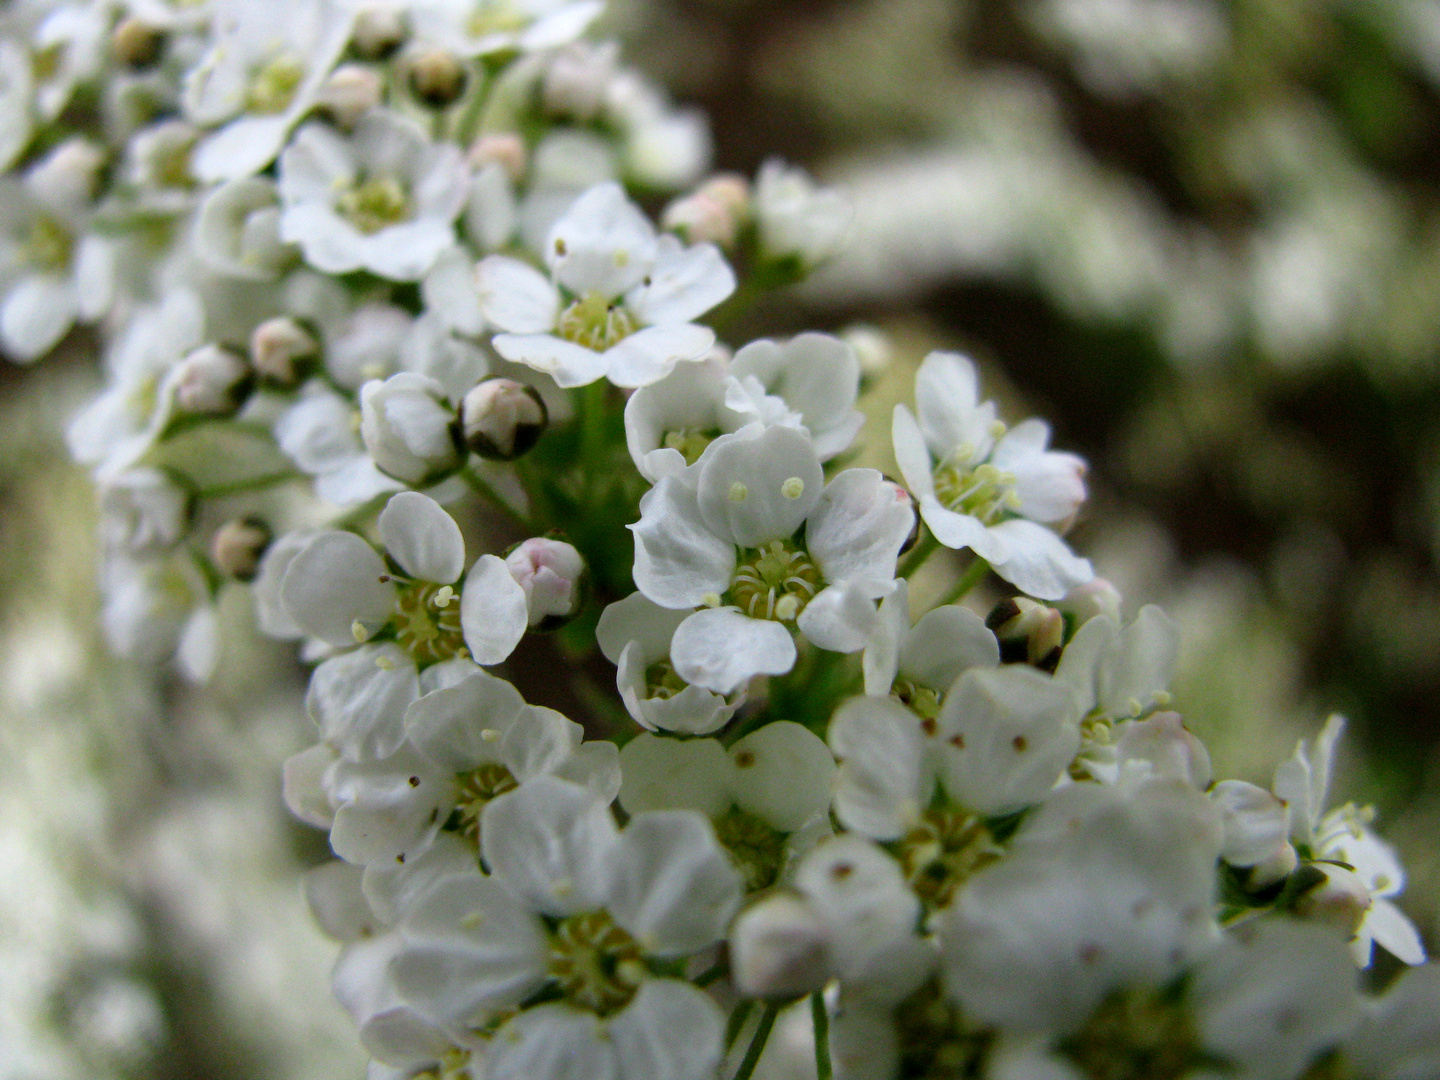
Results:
x,y
553,843
721,649
334,582
241,148
674,887
1037,561
570,365
947,391
552,1042
387,810
882,784
945,642
1256,824
648,355
301,788
359,700
1051,485
493,611
672,1030
761,486
602,244
459,727
859,526
841,618
637,619
683,285
678,558
881,662
1394,932
449,291
783,774
911,455
670,774
35,315
515,296
422,538
539,742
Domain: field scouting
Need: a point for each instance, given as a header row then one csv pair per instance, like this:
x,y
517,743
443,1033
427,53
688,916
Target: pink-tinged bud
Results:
x,y
213,381
779,948
237,546
350,92
505,148
278,348
1030,632
553,575
713,214
501,419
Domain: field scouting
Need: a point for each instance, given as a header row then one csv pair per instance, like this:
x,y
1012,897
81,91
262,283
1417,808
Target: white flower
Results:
x,y
619,301
478,947
795,219
154,609
143,512
635,634
383,199
482,27
918,664
731,545
816,375
1302,782
320,433
409,428
237,230
987,488
768,795
263,71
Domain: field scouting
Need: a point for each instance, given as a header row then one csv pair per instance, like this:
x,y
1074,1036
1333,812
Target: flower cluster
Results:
x,y
389,343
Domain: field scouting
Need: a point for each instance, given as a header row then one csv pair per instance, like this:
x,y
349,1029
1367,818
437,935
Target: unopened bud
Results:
x,y
237,546
144,512
500,419
278,347
135,43
712,214
1029,632
1272,870
350,92
379,30
437,77
779,948
1096,597
408,428
213,381
553,575
872,346
506,148
1337,897
577,78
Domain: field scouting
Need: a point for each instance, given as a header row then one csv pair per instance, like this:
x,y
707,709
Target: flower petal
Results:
x,y
423,538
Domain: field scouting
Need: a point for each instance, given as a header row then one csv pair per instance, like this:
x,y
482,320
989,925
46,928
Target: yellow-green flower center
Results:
x,y
943,849
273,85
596,963
375,204
1137,1034
454,1064
49,244
776,581
983,491
935,1042
427,622
691,442
757,849
595,322
661,681
921,700
477,788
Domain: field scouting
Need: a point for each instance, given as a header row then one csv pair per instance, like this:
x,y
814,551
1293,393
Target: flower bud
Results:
x,y
796,219
408,428
1337,898
237,546
1272,870
553,575
379,30
577,78
68,175
350,92
500,419
135,43
212,381
1096,597
143,512
872,347
712,214
277,347
437,77
1029,632
779,948
506,148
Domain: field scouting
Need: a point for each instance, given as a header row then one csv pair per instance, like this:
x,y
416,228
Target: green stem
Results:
x,y
757,1043
738,1016
482,487
923,549
592,439
254,483
821,1021
706,977
968,580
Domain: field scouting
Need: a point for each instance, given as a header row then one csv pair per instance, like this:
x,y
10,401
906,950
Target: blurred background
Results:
x,y
1201,238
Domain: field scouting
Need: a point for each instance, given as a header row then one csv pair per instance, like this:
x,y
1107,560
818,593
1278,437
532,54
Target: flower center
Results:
x,y
453,1065
757,850
921,700
374,204
597,963
982,492
662,682
272,86
691,442
776,582
49,244
595,322
1137,1034
477,788
943,849
935,1043
427,622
